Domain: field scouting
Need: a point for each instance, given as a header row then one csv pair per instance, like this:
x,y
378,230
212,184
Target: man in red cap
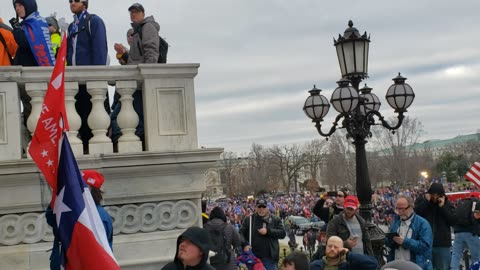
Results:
x,y
350,227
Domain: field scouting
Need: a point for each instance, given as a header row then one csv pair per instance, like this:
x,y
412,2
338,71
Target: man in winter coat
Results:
x,y
435,207
327,212
86,46
265,230
192,251
414,240
8,45
350,227
144,49
339,258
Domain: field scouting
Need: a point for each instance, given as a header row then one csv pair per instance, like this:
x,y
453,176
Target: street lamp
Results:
x,y
357,108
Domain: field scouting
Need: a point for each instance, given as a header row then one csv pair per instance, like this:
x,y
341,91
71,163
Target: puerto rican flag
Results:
x,y
82,234
473,175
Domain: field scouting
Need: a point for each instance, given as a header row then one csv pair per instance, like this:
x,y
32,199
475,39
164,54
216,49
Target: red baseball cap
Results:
x,y
351,202
93,178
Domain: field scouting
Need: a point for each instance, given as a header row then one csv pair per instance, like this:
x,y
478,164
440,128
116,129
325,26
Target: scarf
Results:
x,y
38,36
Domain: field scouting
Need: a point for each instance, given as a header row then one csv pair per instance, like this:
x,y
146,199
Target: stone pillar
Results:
x,y
99,120
74,120
128,119
37,92
10,136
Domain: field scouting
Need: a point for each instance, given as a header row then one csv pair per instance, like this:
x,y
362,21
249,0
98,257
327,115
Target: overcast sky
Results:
x,y
260,57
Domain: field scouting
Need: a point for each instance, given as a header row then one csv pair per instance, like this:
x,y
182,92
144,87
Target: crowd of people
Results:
x,y
419,222
33,40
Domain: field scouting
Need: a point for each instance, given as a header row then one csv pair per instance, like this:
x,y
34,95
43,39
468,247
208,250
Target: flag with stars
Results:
x,y
82,234
473,175
52,122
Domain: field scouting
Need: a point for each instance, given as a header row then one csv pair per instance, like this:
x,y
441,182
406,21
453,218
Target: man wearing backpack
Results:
x,y
86,46
435,207
225,239
144,49
467,231
264,230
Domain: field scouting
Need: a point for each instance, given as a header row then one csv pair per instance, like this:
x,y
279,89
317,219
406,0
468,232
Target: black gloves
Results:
x,y
14,23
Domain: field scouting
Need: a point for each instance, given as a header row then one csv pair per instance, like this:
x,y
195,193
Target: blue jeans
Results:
x,y
269,263
441,258
464,240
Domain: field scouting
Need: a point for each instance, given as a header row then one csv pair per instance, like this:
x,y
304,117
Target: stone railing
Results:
x,y
152,194
168,98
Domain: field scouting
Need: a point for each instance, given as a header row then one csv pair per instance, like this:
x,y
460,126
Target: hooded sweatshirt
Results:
x,y
200,238
146,42
24,55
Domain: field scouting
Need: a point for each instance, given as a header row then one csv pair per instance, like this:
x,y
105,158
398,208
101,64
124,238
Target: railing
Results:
x,y
168,98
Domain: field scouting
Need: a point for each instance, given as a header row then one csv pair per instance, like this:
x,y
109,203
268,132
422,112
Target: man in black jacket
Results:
x,y
192,251
266,229
439,212
327,212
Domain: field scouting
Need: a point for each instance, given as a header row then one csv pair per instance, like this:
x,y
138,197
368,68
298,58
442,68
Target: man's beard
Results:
x,y
332,255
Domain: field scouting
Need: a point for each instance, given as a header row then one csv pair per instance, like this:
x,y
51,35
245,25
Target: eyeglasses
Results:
x,y
261,206
340,196
402,209
76,1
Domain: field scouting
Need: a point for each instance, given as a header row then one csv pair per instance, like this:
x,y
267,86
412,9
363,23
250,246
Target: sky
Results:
x,y
259,58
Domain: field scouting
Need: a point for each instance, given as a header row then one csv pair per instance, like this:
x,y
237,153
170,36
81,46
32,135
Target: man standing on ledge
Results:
x,y
265,229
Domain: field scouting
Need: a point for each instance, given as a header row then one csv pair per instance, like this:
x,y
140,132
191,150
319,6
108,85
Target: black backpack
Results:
x,y
162,48
219,245
464,211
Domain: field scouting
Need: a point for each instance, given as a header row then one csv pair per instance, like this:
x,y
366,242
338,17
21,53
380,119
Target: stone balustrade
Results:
x,y
152,194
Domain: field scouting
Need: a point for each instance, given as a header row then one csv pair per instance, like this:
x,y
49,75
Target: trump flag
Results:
x,y
473,175
83,237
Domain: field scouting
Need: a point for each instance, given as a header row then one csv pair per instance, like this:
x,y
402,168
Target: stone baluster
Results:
x,y
128,119
74,120
99,120
37,92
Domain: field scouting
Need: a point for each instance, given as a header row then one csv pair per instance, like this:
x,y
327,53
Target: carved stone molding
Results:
x,y
127,219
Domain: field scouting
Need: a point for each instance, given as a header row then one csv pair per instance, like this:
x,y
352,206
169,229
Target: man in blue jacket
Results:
x,y
86,46
414,238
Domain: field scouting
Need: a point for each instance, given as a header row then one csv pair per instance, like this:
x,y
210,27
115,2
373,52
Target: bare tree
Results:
x,y
289,160
340,162
315,153
229,172
395,148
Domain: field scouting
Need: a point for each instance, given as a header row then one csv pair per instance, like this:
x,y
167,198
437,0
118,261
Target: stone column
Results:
x,y
10,136
99,120
128,119
74,120
37,92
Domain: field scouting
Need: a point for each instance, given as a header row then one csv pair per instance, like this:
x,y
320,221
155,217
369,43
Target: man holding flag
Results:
x,y
84,244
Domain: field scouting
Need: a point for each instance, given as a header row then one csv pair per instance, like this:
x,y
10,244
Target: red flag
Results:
x,y
473,175
53,120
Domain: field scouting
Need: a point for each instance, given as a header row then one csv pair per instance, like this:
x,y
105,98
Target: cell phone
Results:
x,y
391,234
353,237
332,194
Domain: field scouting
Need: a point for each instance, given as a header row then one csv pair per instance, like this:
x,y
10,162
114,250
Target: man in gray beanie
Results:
x,y
435,207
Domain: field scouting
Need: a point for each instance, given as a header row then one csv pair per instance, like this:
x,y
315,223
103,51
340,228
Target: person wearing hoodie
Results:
x,y
218,221
54,33
435,207
34,44
86,46
193,246
144,48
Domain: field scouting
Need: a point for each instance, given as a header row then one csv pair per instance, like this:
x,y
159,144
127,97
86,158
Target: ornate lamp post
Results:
x,y
357,108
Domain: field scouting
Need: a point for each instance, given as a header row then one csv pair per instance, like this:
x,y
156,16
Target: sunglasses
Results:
x,y
76,1
261,206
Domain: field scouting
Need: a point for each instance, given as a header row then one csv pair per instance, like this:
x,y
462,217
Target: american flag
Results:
x,y
82,234
473,175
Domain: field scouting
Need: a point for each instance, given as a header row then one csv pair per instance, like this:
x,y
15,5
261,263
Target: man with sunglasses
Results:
x,y
86,46
264,229
411,238
326,212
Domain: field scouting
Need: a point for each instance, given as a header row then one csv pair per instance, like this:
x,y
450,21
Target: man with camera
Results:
x,y
435,207
329,205
338,257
